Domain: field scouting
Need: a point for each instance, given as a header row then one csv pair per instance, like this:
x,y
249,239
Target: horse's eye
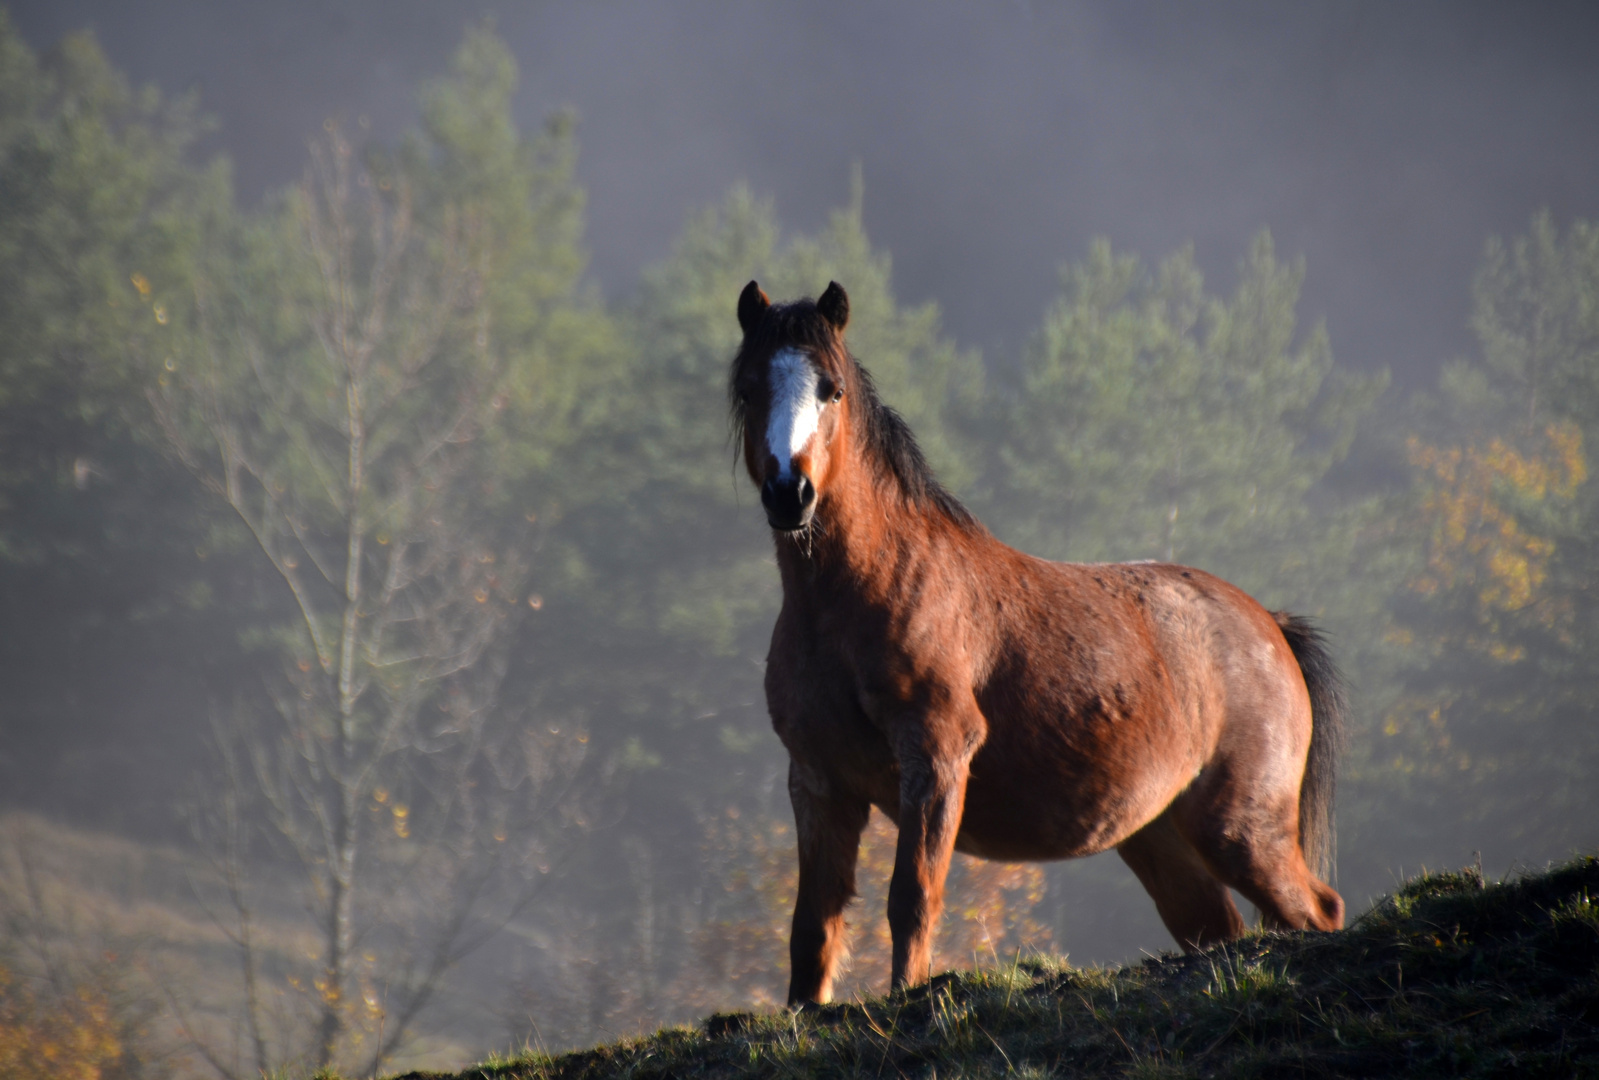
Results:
x,y
828,390
838,395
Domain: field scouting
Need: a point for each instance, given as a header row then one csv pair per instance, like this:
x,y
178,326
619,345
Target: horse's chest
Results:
x,y
824,720
821,714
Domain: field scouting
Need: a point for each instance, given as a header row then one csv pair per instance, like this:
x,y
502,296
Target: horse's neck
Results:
x,y
866,543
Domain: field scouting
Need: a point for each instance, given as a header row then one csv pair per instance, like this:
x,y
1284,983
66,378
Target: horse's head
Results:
x,y
789,396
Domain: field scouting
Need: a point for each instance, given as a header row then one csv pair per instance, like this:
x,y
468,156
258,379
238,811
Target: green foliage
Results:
x,y
97,248
524,193
1155,421
106,565
1499,623
1537,323
383,370
101,221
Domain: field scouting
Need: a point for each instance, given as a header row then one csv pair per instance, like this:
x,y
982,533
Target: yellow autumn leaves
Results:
x,y
992,910
1476,508
75,1036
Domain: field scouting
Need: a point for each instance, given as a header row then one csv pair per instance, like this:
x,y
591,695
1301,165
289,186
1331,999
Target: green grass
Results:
x,y
1448,976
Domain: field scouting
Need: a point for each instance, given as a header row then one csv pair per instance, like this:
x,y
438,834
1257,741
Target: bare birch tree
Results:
x,y
347,399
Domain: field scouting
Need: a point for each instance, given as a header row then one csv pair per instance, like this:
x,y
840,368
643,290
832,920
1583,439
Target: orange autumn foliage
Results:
x,y
1478,538
70,1038
991,913
1492,513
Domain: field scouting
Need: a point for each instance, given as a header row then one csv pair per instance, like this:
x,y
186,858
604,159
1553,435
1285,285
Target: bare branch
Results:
x,y
360,777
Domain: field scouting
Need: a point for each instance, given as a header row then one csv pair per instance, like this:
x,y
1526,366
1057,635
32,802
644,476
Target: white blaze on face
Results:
x,y
795,409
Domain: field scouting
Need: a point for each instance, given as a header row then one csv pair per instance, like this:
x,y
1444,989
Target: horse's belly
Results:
x,y
1026,806
1017,832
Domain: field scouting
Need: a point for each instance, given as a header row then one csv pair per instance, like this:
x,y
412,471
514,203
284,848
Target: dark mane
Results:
x,y
889,439
886,435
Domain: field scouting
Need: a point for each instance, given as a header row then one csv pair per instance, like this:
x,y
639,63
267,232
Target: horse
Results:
x,y
1002,705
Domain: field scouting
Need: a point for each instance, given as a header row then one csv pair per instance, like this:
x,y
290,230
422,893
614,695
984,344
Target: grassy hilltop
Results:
x,y
1449,976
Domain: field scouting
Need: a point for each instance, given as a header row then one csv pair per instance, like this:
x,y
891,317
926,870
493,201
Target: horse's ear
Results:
x,y
834,306
752,304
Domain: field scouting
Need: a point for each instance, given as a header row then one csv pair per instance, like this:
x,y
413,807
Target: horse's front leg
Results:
x,y
931,799
829,823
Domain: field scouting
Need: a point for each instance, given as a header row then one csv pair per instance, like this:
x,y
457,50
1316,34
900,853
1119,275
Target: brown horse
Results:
x,y
1002,705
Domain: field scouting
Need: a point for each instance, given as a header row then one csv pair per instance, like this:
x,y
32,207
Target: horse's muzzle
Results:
x,y
789,503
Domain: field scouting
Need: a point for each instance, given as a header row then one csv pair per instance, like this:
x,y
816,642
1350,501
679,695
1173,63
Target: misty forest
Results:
x,y
385,612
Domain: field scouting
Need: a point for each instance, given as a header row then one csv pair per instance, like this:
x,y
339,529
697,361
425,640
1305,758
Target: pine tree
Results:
x,y
1154,421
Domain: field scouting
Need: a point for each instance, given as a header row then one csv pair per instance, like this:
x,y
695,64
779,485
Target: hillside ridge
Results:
x,y
1447,976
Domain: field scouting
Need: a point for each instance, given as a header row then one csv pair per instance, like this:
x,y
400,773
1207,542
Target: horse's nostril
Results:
x,y
788,502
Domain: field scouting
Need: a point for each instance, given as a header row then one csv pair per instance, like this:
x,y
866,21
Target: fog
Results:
x,y
146,639
1383,144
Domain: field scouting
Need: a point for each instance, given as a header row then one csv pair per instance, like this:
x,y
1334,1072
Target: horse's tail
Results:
x,y
1329,705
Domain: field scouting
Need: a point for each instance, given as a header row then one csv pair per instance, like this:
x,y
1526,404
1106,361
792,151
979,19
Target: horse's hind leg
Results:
x,y
829,824
1195,907
1251,842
